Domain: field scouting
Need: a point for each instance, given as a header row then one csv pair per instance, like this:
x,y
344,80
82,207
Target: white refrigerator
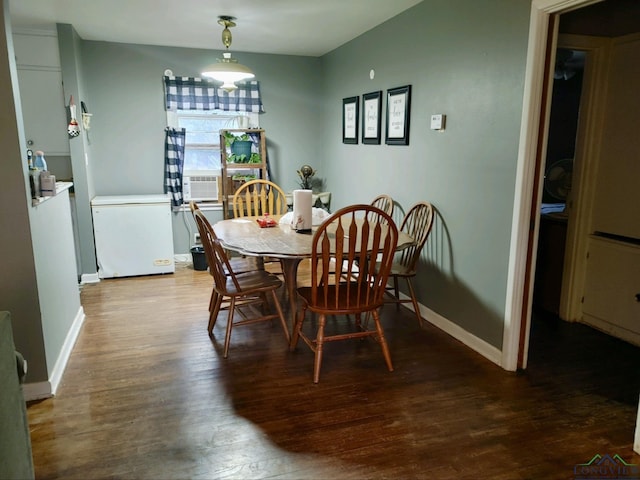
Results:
x,y
133,235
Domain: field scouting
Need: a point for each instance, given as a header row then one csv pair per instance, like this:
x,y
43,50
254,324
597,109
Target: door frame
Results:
x,y
524,234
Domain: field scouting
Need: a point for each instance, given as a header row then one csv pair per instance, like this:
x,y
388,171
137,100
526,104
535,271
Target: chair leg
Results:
x,y
227,336
296,328
283,322
265,303
213,315
382,340
414,300
212,300
319,344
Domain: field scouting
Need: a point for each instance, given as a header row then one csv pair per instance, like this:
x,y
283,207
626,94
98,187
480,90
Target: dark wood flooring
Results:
x,y
147,395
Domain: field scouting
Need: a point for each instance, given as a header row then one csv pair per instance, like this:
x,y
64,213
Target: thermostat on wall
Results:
x,y
437,121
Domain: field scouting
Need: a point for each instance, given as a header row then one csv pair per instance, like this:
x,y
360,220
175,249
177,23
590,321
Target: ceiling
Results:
x,y
610,18
288,27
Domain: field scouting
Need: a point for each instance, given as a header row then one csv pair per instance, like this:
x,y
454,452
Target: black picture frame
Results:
x,y
371,117
350,119
398,115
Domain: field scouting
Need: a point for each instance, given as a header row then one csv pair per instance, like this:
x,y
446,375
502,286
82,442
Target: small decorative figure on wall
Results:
x,y
73,129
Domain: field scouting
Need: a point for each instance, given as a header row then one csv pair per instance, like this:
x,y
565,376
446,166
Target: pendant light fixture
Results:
x,y
227,70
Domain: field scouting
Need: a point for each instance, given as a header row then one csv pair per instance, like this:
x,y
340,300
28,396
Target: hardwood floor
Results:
x,y
147,395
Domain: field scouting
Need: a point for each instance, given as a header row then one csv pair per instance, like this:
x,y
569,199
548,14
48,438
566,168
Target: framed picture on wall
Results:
x,y
398,115
350,112
371,121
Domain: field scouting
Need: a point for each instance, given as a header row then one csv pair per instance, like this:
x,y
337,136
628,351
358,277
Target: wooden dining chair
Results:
x,y
238,264
417,223
384,203
256,198
353,237
259,197
239,289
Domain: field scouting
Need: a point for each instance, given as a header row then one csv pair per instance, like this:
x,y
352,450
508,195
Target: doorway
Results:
x,y
557,183
586,123
542,42
545,17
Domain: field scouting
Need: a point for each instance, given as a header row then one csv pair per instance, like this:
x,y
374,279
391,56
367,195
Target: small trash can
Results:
x,y
199,258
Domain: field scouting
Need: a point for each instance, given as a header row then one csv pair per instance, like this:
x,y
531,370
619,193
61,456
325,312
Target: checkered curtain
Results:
x,y
191,93
173,163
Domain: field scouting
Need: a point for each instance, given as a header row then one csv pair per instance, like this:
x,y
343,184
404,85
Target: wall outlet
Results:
x,y
196,239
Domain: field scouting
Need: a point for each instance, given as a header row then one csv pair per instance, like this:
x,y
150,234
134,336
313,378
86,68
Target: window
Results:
x,y
202,148
202,143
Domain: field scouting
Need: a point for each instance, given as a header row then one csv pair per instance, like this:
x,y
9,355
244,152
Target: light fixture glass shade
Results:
x,y
228,71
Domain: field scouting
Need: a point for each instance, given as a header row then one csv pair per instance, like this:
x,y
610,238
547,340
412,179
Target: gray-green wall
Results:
x,y
125,91
464,59
72,65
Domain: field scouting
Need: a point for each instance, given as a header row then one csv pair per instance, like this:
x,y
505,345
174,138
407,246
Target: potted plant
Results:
x,y
240,146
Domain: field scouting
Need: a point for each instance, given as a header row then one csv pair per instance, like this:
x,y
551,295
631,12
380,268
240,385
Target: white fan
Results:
x,y
557,180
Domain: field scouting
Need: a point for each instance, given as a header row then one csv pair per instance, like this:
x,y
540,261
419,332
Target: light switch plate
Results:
x,y
437,121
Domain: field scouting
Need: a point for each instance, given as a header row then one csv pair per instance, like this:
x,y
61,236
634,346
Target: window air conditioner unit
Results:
x,y
201,188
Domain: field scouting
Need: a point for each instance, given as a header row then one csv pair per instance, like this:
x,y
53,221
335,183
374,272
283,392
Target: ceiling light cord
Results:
x,y
226,22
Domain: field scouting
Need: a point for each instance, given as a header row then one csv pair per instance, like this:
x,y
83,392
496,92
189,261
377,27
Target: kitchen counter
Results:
x,y
60,187
58,293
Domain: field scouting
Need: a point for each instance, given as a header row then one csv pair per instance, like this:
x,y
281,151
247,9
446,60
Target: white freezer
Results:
x,y
133,235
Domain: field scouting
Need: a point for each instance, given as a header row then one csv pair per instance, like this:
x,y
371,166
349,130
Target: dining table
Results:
x,y
246,237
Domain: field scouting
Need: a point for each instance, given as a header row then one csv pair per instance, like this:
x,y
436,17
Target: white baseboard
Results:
x,y
89,278
611,329
39,390
474,343
58,369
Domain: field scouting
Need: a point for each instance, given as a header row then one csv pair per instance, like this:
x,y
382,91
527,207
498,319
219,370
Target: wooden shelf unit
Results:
x,y
229,170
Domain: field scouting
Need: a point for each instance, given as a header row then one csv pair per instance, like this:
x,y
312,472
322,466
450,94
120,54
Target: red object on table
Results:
x,y
266,221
